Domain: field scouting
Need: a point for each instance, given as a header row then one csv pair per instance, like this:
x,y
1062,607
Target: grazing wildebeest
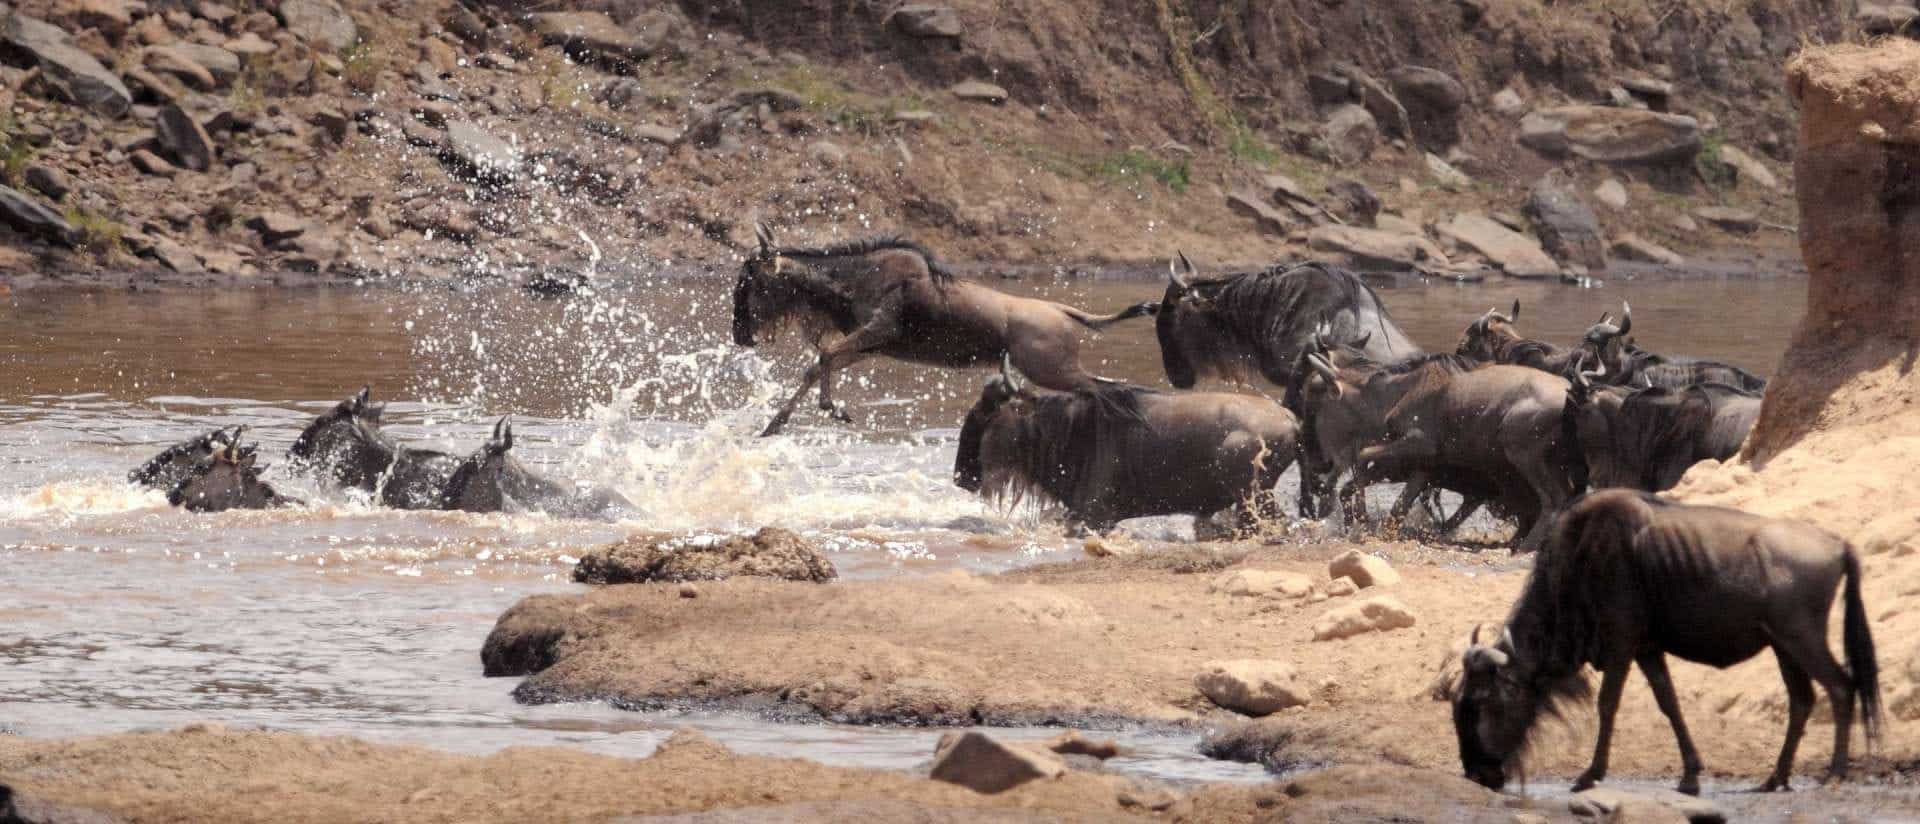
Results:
x,y
1117,451
892,297
1629,365
227,479
1647,438
491,480
347,449
1246,324
1629,578
180,461
1445,416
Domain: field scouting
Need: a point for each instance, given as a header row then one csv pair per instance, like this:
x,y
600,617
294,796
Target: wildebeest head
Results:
x,y
228,479
1591,410
345,442
177,462
769,289
1605,342
1182,307
1003,392
477,486
1493,710
1483,337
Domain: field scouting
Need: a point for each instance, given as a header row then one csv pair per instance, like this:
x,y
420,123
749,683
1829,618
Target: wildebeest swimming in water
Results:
x,y
347,449
1628,365
1629,578
491,480
892,297
1117,451
180,461
226,479
1647,438
1493,338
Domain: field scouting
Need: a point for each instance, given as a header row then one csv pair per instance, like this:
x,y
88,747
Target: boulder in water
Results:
x,y
771,553
985,764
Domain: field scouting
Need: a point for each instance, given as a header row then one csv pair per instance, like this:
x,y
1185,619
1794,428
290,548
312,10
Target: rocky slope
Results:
x,y
355,138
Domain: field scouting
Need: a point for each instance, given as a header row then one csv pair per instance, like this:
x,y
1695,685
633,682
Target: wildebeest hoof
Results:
x,y
1585,783
773,428
1689,786
1775,785
839,414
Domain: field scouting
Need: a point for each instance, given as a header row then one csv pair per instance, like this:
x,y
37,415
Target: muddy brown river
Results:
x,y
120,613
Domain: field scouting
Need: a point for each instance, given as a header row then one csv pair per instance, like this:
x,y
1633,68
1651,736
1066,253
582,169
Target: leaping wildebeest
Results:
x,y
892,297
1118,451
1629,578
346,447
1647,438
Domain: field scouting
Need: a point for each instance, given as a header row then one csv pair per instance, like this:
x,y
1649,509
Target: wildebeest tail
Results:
x,y
1099,322
1858,638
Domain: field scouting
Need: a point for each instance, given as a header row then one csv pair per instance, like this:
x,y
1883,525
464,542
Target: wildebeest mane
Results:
x,y
1061,437
823,256
1265,306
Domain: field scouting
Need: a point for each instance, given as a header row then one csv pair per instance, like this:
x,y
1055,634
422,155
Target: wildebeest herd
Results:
x,y
1568,442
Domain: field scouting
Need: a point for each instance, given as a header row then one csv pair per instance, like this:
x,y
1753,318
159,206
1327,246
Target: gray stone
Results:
x,y
1611,193
173,255
924,20
1379,101
981,92
184,139
1567,227
1252,687
1876,19
32,218
1736,221
276,228
1251,205
984,764
175,62
71,71
1350,133
1283,189
1445,174
319,23
1508,102
1432,99
1378,614
222,64
1749,168
1515,253
1375,249
1611,135
479,154
656,133
152,164
465,24
48,181
1602,802
1328,89
249,45
591,36
1633,247
1353,202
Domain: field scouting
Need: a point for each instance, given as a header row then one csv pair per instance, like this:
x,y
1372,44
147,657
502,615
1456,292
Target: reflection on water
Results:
x,y
341,617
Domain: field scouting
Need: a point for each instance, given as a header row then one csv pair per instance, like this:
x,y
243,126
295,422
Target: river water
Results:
x,y
120,613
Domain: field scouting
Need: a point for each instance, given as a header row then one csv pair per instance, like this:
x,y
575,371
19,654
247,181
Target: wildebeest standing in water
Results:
x,y
1493,338
492,480
347,449
892,297
180,461
1628,365
1631,578
1246,324
226,479
1647,438
1117,451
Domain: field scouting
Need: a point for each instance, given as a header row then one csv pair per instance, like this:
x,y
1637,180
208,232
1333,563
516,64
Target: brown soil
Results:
x,y
1117,638
1127,126
203,773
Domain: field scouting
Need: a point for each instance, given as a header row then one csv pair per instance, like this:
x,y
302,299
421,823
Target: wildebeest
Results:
x,y
226,479
491,480
1647,438
1246,324
892,297
180,461
1629,365
1443,419
1117,451
1629,578
346,447
1492,338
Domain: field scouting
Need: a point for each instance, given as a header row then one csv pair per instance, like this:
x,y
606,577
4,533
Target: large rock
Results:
x,y
276,228
1609,134
1446,174
1729,219
32,218
1375,249
985,764
1258,209
173,62
1432,99
1378,100
48,181
1353,202
979,92
71,71
590,36
1567,227
1365,570
1514,253
924,20
1633,247
319,23
1611,193
770,553
1750,168
184,138
1350,133
1252,687
1264,583
1378,614
479,155
1604,802
222,64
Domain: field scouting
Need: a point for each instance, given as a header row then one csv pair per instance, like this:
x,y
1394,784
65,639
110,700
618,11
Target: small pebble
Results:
x,y
689,591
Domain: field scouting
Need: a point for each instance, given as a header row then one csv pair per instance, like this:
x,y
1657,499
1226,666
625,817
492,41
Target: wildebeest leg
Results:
x,y
1799,706
1468,506
1654,666
1807,647
1611,682
826,386
882,328
1409,495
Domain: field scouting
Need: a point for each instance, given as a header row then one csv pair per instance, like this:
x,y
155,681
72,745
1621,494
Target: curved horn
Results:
x,y
1180,270
1325,369
1506,640
1605,317
1361,343
360,401
233,446
764,235
1474,639
1626,318
502,439
1009,374
1515,317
